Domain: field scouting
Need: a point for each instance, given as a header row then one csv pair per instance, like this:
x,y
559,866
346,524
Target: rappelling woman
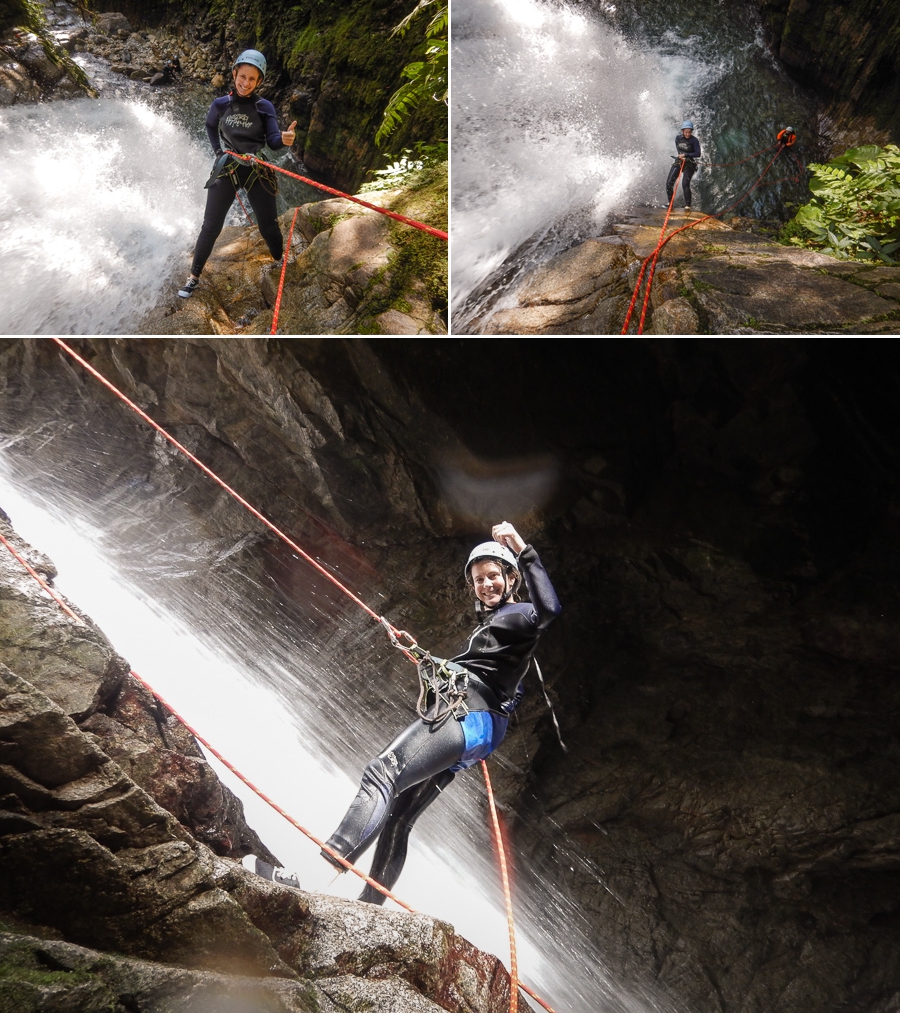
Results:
x,y
688,148
408,775
242,122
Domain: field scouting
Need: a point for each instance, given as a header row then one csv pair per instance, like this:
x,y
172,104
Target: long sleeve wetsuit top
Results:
x,y
245,124
499,651
687,146
423,759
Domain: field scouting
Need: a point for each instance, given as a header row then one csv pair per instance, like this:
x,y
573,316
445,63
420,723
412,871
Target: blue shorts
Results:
x,y
484,731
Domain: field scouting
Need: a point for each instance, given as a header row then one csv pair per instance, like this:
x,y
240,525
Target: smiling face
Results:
x,y
489,582
246,78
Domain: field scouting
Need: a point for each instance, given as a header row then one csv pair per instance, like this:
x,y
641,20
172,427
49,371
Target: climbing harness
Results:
x,y
410,650
443,688
338,193
443,685
226,166
653,258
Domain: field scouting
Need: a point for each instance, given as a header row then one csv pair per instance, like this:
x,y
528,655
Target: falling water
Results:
x,y
199,618
102,202
565,114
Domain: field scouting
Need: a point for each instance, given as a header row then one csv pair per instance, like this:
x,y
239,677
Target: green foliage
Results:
x,y
855,210
427,78
419,260
405,166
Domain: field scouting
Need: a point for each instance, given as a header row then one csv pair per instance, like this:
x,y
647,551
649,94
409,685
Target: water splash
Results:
x,y
254,675
563,115
105,197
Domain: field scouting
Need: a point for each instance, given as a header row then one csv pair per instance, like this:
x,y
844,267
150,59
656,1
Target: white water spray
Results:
x,y
263,703
101,204
200,618
558,121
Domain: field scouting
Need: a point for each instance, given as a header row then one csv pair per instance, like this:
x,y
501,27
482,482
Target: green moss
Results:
x,y
419,260
29,14
341,55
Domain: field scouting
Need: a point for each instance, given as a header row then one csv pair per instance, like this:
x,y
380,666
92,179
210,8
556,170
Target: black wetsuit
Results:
x,y
407,776
690,148
246,125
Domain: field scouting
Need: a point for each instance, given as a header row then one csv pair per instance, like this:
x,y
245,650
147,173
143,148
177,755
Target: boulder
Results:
x,y
112,23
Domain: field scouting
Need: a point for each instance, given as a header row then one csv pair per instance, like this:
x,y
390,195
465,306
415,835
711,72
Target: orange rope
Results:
x,y
283,270
504,876
339,193
59,600
498,838
637,286
231,492
663,239
53,594
515,983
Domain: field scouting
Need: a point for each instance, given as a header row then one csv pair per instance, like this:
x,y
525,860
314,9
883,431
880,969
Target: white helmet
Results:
x,y
490,550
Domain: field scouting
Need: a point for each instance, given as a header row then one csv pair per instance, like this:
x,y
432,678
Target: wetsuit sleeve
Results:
x,y
270,122
696,152
540,589
212,128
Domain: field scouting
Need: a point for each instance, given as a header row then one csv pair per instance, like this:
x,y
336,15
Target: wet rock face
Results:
x,y
710,279
847,53
720,519
75,666
27,74
89,855
342,277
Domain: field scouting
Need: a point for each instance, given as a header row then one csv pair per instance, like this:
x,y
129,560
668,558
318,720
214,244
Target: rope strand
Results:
x,y
663,239
393,632
339,193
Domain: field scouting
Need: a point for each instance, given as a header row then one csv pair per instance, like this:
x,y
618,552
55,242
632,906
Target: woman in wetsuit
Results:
x,y
688,148
244,123
407,776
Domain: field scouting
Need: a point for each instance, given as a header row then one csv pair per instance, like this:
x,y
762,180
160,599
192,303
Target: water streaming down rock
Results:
x,y
565,114
202,620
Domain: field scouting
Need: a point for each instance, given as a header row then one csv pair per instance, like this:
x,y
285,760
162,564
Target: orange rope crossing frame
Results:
x,y
663,238
339,193
284,261
393,631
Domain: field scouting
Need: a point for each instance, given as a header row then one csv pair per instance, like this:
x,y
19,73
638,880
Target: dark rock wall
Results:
x,y
721,519
850,53
93,862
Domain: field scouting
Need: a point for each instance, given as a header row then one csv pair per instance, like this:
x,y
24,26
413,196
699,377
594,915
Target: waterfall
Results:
x,y
565,114
101,204
202,623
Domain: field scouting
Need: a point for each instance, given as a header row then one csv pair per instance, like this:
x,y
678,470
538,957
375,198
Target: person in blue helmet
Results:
x,y
688,149
454,732
242,122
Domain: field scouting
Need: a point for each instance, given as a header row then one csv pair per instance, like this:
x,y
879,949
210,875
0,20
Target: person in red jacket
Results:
x,y
786,137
